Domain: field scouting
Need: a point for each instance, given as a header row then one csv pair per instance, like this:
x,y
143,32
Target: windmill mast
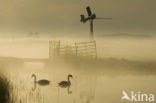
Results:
x,y
90,17
91,30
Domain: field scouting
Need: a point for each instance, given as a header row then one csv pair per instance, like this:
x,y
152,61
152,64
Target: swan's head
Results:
x,y
70,76
33,75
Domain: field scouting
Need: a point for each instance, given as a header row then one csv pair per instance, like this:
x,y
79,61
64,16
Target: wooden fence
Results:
x,y
81,49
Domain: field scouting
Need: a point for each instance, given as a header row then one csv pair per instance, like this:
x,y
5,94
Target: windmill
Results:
x,y
90,17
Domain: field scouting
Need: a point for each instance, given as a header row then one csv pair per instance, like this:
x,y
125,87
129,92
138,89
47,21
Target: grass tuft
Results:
x,y
4,89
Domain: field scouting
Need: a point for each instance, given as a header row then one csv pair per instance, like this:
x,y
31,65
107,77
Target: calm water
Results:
x,y
86,86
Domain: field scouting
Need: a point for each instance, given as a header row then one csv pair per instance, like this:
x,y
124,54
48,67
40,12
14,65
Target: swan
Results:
x,y
42,82
65,84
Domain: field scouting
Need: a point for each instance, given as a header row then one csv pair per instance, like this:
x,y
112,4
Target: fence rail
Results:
x,y
82,49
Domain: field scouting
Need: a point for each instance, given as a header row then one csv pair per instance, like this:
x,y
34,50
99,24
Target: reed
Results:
x,y
4,89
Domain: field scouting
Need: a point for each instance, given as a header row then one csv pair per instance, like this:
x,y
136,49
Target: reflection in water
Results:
x,y
95,81
103,84
42,82
69,92
88,95
65,84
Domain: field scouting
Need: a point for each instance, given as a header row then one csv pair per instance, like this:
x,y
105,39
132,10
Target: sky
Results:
x,y
61,18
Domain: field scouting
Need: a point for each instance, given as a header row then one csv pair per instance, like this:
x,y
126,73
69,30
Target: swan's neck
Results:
x,y
68,79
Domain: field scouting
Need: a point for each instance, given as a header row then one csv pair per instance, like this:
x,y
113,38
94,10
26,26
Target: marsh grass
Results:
x,y
4,89
12,91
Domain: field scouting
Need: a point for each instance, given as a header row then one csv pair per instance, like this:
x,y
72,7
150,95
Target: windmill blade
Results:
x,y
89,11
103,18
82,18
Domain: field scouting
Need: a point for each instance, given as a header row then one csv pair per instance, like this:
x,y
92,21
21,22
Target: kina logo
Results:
x,y
137,97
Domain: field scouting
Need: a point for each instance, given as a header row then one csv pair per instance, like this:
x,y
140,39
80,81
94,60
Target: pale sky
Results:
x,y
62,17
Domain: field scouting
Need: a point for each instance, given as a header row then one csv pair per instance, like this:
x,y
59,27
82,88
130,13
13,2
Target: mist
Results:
x,y
62,18
33,33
